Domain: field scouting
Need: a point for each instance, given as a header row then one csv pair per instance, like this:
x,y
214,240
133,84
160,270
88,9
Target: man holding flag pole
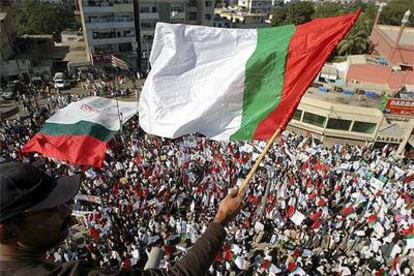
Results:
x,y
259,77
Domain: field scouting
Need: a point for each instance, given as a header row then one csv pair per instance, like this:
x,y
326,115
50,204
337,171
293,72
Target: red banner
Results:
x,y
400,106
101,59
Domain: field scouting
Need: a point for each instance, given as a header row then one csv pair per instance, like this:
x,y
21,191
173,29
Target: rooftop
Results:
x,y
343,99
76,54
391,32
392,130
380,74
362,59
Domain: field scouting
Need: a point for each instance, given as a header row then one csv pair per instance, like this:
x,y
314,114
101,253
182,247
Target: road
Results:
x,y
10,109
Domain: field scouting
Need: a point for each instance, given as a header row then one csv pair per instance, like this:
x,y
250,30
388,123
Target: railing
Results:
x,y
92,3
111,19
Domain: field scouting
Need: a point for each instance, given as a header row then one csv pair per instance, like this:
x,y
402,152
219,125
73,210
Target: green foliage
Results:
x,y
356,5
34,17
279,16
370,12
296,13
356,41
300,12
394,12
328,9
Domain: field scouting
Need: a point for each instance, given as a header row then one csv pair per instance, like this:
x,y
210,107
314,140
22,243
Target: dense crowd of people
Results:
x,y
309,210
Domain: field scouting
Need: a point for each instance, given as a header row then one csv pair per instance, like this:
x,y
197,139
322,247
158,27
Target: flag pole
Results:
x,y
258,161
119,115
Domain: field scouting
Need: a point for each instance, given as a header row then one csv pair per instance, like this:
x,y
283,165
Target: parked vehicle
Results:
x,y
62,84
60,81
8,94
37,81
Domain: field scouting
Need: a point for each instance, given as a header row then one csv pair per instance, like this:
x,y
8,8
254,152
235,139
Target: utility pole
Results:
x,y
138,33
381,6
404,22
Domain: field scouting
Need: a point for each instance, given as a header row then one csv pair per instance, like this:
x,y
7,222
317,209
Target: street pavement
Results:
x,y
10,109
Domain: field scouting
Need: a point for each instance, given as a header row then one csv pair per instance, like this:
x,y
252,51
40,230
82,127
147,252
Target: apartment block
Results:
x,y
193,12
111,26
108,28
256,6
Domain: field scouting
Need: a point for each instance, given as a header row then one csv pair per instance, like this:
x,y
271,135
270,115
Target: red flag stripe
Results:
x,y
81,150
310,46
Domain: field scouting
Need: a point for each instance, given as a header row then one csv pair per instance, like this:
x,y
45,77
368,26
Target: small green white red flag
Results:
x,y
80,132
233,84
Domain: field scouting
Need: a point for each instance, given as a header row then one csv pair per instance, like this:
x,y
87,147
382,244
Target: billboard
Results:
x,y
400,107
101,59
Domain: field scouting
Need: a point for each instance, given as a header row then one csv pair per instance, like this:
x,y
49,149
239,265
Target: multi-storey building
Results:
x,y
193,12
256,6
238,17
111,26
7,36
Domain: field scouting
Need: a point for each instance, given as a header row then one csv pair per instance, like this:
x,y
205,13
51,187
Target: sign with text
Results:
x,y
400,106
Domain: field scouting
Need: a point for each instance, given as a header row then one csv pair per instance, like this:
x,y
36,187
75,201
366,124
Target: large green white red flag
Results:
x,y
80,132
233,84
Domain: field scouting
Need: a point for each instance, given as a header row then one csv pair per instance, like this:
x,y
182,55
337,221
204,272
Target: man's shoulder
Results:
x,y
45,268
19,268
24,267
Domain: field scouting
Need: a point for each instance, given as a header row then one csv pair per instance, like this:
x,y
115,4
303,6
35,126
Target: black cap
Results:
x,y
25,188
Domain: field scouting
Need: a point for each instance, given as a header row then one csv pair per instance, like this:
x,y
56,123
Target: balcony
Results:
x,y
177,15
111,23
149,16
114,40
105,3
107,7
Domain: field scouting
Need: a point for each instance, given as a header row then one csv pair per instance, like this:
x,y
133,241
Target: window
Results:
x,y
364,127
339,124
129,33
208,16
177,9
314,119
148,25
124,47
145,9
154,9
297,115
208,3
192,16
103,35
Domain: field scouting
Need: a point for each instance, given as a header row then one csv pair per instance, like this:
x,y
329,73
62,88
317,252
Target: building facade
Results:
x,y
7,36
111,27
256,6
108,28
337,123
238,18
329,121
192,12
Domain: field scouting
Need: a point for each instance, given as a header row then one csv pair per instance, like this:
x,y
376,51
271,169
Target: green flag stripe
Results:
x,y
80,128
264,76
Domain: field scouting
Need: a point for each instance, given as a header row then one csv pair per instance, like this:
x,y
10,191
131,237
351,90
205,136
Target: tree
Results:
x,y
356,41
296,13
279,16
356,5
34,17
300,12
394,12
328,9
370,12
